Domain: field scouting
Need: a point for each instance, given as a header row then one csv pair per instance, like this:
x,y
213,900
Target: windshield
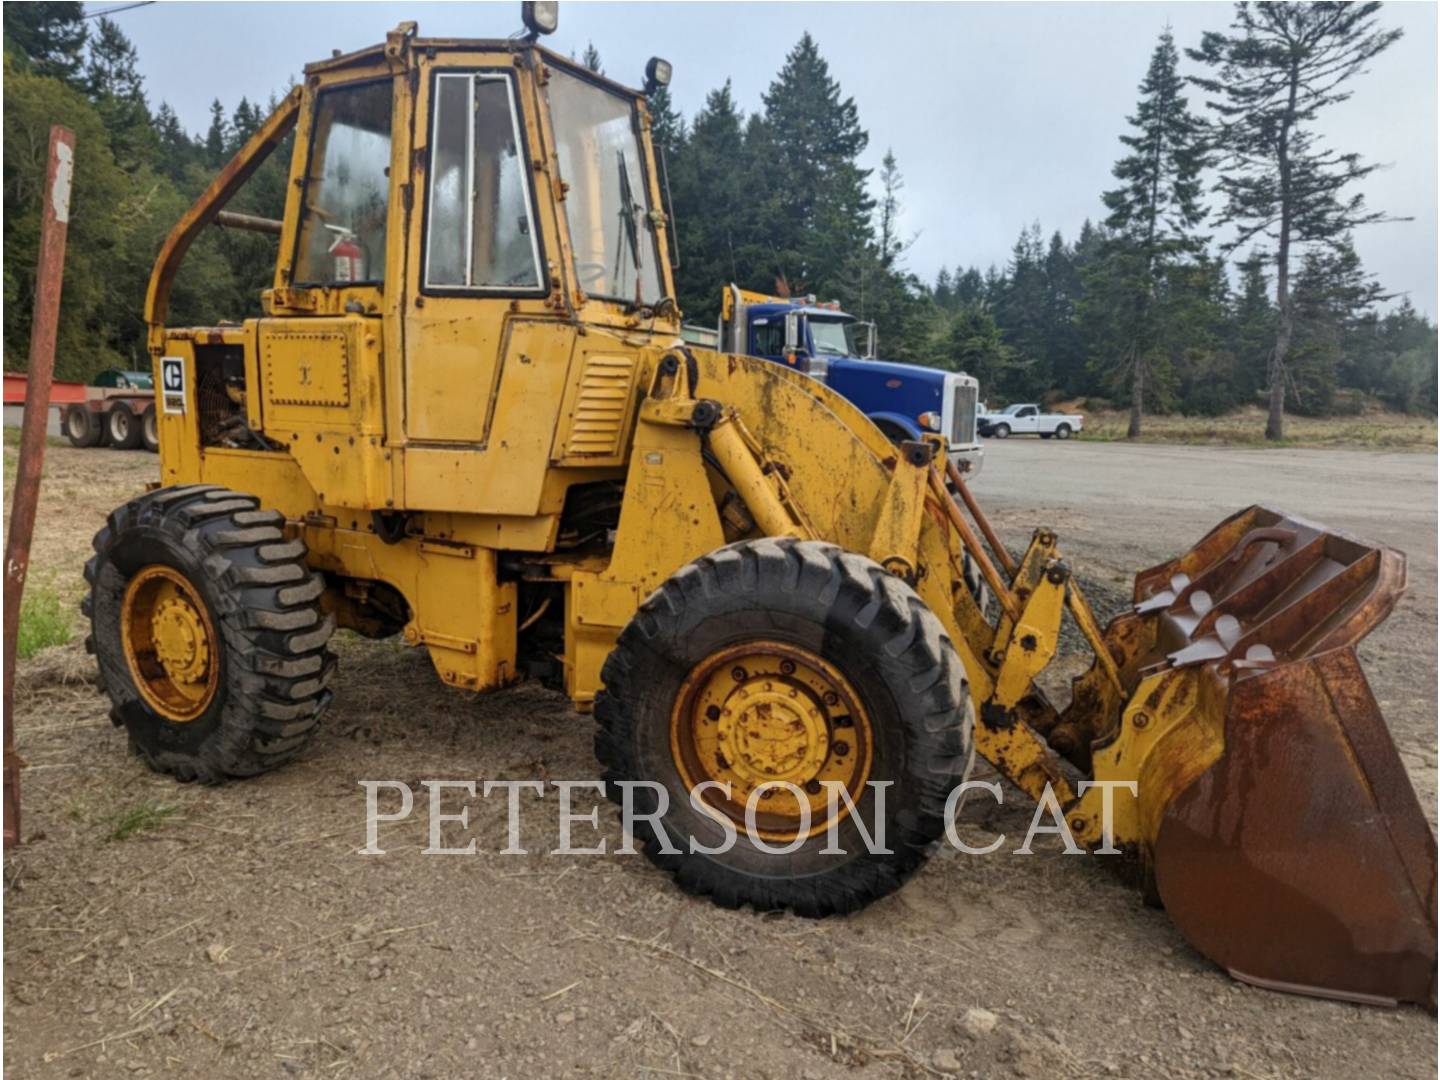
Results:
x,y
608,203
830,338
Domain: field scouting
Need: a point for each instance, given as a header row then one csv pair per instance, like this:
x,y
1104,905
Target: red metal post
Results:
x,y
49,270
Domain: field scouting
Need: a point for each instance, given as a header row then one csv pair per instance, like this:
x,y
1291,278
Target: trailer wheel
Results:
x,y
124,428
82,426
780,662
150,429
208,631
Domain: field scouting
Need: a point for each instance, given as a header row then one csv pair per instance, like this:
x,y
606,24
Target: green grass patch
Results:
x,y
44,620
138,819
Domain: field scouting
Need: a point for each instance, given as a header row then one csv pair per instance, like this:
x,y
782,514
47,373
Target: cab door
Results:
x,y
476,256
1027,420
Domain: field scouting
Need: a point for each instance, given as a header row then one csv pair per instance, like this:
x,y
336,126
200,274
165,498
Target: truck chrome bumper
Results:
x,y
968,459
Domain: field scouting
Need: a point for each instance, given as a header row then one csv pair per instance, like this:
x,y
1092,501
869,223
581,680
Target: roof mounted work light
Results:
x,y
540,16
657,74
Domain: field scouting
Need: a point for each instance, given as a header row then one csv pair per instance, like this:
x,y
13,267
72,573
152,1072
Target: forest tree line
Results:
x,y
1143,306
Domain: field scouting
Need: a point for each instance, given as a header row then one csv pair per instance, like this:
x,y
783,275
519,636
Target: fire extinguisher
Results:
x,y
348,255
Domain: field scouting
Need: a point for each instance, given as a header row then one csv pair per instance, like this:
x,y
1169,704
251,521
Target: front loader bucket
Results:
x,y
1283,834
1301,860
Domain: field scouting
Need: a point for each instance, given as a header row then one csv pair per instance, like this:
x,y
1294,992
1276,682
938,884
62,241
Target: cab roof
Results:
x,y
374,53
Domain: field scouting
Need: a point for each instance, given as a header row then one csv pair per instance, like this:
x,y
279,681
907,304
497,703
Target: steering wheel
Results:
x,y
590,273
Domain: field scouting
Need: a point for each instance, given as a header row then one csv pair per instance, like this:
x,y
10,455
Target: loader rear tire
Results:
x,y
208,631
824,609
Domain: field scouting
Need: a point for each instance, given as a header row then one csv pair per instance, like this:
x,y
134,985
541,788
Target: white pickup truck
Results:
x,y
1028,420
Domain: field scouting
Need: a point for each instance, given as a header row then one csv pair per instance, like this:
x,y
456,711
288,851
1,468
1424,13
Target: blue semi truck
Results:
x,y
904,400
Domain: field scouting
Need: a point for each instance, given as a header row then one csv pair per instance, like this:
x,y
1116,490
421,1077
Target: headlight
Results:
x,y
540,16
930,420
657,74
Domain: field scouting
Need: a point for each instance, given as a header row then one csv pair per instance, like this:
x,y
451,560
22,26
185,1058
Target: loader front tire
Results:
x,y
208,632
816,664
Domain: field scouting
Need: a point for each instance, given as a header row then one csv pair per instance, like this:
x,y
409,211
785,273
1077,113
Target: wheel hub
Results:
x,y
767,712
180,642
170,644
774,732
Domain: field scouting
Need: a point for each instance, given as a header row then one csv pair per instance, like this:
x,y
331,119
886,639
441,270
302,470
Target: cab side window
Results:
x,y
767,338
480,233
347,188
1029,410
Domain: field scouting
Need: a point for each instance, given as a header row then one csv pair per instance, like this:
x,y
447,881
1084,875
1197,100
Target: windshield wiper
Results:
x,y
627,219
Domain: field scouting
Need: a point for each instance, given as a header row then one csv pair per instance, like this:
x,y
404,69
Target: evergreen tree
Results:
x,y
1020,310
944,290
115,86
244,122
817,211
1280,66
1064,348
708,188
1252,327
890,245
217,139
591,58
47,38
1334,302
1153,218
974,344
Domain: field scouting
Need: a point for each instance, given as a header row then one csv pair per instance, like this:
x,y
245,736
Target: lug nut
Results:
x,y
712,712
832,698
739,674
842,748
787,667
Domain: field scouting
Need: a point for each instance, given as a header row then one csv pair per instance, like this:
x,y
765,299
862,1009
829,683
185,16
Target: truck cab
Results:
x,y
904,400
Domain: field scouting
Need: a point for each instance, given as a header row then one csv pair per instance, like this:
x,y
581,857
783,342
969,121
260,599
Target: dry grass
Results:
x,y
1246,427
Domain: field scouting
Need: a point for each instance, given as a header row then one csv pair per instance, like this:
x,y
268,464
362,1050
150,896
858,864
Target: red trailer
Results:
x,y
118,410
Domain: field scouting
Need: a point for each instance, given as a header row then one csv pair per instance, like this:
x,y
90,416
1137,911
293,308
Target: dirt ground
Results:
x,y
245,936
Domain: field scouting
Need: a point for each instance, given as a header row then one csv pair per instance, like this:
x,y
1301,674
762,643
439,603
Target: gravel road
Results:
x,y
244,936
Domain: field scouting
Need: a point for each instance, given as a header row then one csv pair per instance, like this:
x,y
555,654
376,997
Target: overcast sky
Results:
x,y
999,114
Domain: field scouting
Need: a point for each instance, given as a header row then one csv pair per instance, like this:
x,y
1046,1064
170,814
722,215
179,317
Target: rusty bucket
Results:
x,y
1299,858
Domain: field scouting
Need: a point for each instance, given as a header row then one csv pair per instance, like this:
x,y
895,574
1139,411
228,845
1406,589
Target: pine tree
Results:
x,y
114,84
1153,218
217,139
889,243
944,291
1253,326
817,210
708,186
591,58
974,344
1020,311
1280,66
1064,349
1334,304
49,37
244,122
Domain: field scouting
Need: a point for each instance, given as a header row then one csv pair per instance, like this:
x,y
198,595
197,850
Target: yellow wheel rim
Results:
x,y
769,712
170,644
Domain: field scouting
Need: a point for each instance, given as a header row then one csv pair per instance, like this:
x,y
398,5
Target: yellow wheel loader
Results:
x,y
467,416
